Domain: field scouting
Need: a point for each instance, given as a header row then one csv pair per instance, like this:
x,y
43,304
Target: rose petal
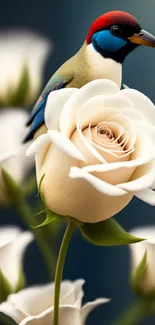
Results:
x,y
86,147
92,89
147,196
90,306
38,144
12,151
141,179
68,315
133,114
149,129
12,131
93,112
10,310
64,144
72,293
100,185
11,256
8,235
129,127
54,106
118,101
100,206
144,153
25,300
79,293
141,103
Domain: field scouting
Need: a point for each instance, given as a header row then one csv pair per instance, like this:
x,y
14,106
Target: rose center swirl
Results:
x,y
104,132
109,139
103,135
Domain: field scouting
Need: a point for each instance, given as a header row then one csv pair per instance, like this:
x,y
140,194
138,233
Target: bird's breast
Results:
x,y
92,65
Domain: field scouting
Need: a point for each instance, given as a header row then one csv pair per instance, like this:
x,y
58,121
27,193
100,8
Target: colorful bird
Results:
x,y
110,39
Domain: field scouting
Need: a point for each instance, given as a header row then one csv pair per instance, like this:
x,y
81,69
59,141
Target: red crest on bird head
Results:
x,y
109,19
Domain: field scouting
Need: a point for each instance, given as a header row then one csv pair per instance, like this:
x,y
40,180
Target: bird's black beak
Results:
x,y
143,38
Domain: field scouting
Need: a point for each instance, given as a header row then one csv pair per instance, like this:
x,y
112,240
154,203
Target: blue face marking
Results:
x,y
108,42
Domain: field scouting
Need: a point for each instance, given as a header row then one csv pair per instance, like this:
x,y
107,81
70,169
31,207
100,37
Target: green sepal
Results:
x,y
106,233
51,217
5,288
6,320
12,189
138,274
39,213
40,182
39,187
20,96
21,282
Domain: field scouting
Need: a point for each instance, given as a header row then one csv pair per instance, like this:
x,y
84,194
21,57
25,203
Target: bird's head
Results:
x,y
115,34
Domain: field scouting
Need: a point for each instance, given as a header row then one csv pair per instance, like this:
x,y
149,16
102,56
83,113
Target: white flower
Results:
x,y
137,253
13,243
35,305
21,49
12,151
98,152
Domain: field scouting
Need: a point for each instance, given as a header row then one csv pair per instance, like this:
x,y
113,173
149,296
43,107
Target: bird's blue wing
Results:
x,y
36,119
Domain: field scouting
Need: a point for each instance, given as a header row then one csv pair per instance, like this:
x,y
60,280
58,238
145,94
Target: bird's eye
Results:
x,y
116,30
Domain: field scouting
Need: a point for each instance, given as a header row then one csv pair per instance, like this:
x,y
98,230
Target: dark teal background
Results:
x,y
66,23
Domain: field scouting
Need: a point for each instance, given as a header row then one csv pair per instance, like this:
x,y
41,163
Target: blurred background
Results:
x,y
66,23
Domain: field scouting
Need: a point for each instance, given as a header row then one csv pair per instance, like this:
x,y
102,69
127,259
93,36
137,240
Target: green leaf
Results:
x,y
106,233
13,190
5,288
21,282
138,274
51,217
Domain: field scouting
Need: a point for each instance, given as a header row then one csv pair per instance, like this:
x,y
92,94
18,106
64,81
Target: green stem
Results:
x,y
134,314
26,214
60,267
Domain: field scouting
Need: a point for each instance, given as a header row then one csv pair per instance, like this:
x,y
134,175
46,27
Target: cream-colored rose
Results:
x,y
20,49
12,151
98,151
13,243
34,306
138,250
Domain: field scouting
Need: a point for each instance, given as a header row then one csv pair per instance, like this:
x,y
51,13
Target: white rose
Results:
x,y
13,243
98,152
12,151
138,250
35,305
21,49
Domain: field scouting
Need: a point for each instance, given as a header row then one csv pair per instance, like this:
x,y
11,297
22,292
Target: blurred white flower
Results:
x,y
35,305
13,243
20,50
147,284
12,151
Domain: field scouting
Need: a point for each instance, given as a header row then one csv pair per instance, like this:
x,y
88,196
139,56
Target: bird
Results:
x,y
111,37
